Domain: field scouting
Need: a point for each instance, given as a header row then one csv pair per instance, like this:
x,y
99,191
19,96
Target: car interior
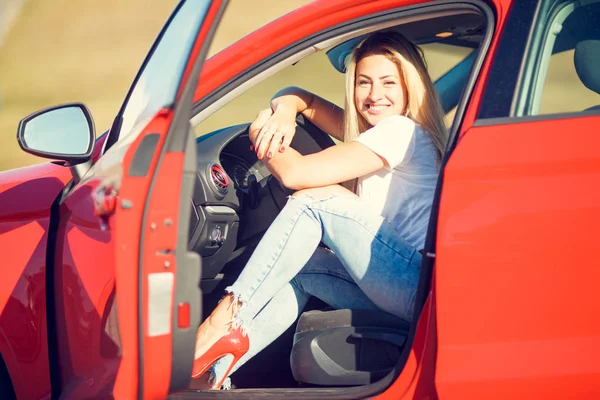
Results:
x,y
235,200
573,27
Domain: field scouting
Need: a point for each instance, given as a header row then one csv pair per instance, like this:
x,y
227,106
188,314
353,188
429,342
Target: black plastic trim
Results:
x,y
187,280
508,59
142,158
51,318
465,97
71,159
7,391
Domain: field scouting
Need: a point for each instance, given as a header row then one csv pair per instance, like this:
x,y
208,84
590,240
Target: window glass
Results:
x,y
158,83
567,70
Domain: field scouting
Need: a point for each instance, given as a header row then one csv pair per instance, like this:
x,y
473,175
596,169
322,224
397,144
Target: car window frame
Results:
x,y
506,67
511,73
218,97
537,60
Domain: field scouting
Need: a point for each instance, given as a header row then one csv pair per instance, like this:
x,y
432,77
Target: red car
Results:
x,y
115,249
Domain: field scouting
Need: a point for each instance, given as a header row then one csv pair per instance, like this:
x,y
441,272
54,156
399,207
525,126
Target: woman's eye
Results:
x,y
363,82
389,83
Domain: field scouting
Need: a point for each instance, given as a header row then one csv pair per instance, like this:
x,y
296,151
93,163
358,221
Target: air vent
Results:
x,y
219,179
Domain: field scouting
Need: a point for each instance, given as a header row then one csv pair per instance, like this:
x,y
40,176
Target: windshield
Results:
x,y
157,85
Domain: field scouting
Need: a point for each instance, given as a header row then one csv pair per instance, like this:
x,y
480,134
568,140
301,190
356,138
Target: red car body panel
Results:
x,y
158,192
470,342
26,195
83,282
134,189
542,340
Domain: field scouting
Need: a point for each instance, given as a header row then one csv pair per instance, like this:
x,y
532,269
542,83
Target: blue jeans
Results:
x,y
370,267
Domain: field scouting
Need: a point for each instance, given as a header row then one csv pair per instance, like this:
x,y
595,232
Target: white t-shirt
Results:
x,y
403,192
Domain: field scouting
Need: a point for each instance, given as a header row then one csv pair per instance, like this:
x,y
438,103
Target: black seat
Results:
x,y
346,347
587,65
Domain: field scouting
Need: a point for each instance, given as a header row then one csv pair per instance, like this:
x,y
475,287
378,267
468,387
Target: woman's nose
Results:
x,y
376,92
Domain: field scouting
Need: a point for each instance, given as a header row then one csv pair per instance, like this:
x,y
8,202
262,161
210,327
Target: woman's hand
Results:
x,y
272,132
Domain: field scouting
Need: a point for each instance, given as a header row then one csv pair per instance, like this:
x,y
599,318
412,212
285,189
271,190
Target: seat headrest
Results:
x,y
587,63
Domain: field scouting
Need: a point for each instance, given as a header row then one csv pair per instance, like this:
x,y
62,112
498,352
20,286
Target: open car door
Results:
x,y
157,279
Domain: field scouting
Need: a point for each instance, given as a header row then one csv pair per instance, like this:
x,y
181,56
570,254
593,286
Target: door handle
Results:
x,y
105,201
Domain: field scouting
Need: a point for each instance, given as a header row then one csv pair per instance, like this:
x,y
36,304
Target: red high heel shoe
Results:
x,y
234,343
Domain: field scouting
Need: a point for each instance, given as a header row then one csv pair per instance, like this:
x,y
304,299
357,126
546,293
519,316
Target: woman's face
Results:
x,y
379,90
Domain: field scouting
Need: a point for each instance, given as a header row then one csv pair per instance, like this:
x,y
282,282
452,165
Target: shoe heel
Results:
x,y
236,358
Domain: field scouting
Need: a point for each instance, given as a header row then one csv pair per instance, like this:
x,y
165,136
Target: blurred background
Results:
x,y
59,51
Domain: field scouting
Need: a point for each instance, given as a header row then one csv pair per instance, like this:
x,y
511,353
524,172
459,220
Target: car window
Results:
x,y
157,85
563,63
315,73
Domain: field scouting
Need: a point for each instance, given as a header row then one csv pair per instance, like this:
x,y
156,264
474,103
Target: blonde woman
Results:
x,y
394,135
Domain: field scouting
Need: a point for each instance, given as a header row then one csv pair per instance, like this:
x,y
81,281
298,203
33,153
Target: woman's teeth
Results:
x,y
377,108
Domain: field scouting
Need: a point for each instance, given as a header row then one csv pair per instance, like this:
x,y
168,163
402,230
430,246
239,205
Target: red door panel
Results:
x,y
154,272
26,195
516,273
84,284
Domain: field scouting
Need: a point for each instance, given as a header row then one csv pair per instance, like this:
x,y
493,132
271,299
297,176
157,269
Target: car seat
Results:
x,y
587,65
346,347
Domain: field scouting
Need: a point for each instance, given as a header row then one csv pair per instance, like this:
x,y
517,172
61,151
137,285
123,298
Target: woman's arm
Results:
x,y
277,131
333,165
324,114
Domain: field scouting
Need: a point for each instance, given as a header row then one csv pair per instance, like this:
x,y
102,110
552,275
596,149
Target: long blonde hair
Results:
x,y
422,104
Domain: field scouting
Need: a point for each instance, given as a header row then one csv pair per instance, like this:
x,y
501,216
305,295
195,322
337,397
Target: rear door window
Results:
x,y
562,71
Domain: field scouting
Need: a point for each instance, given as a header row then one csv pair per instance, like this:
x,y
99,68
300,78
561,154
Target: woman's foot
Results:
x,y
216,325
215,339
203,382
208,334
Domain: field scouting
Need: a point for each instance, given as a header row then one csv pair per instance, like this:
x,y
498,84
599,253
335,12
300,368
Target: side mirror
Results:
x,y
64,132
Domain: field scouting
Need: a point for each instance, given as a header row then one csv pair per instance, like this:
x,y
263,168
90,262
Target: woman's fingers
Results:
x,y
287,140
275,144
258,124
271,133
264,140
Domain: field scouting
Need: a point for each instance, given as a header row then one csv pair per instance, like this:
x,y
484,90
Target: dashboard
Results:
x,y
235,197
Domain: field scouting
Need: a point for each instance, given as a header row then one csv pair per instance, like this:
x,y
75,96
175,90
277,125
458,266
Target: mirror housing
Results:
x,y
64,132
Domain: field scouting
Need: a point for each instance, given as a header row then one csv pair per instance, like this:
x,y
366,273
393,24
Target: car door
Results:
x,y
516,276
113,295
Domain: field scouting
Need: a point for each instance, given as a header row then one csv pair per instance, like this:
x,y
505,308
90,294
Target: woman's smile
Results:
x,y
376,109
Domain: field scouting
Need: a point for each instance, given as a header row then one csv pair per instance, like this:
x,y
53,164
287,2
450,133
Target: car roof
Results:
x,y
465,30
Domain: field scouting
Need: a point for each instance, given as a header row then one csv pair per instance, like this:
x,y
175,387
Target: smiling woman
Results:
x,y
393,119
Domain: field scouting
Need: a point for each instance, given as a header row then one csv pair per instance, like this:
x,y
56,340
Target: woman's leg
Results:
x,y
377,259
323,277
383,265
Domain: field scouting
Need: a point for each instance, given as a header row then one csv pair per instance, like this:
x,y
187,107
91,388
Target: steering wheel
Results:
x,y
308,139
